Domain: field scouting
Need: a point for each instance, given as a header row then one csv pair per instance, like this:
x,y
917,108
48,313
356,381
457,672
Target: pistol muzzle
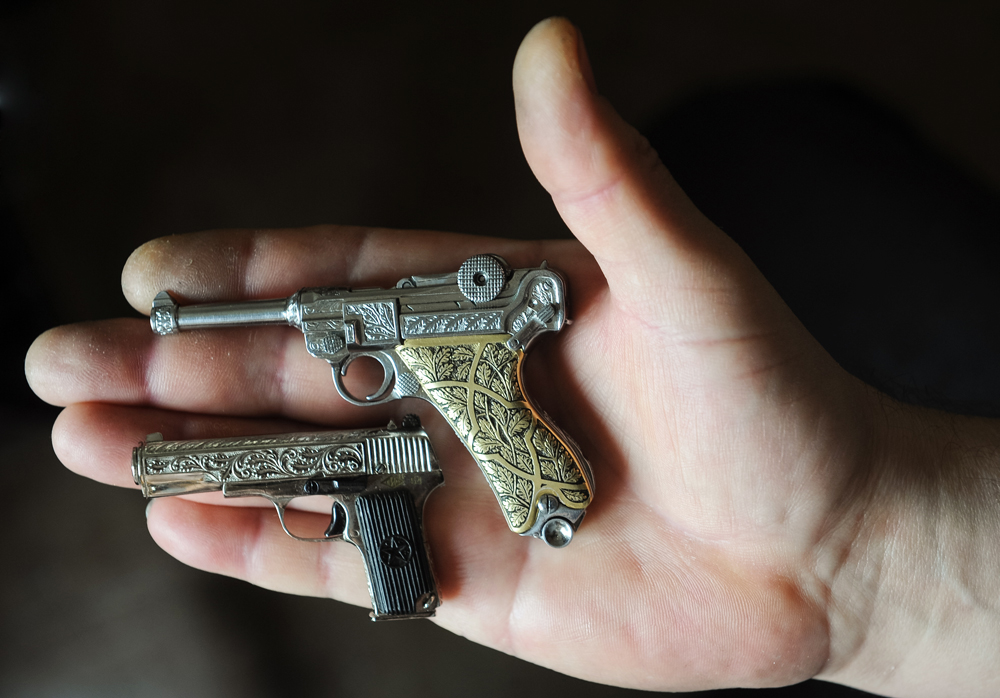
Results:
x,y
163,484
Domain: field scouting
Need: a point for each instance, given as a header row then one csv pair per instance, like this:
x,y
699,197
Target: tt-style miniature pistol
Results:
x,y
378,479
458,341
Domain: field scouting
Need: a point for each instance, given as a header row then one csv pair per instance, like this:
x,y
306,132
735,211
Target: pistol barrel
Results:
x,y
167,317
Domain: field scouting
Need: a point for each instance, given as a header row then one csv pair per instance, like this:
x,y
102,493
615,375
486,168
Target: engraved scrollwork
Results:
x,y
214,465
323,325
543,292
233,443
348,458
520,320
256,465
301,461
323,306
247,462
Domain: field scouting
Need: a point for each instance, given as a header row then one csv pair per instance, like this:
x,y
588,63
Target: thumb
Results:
x,y
607,183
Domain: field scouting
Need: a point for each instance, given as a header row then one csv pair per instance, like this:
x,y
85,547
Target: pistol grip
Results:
x,y
476,384
399,573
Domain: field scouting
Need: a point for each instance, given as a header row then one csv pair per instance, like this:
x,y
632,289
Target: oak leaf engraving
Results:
x,y
577,496
435,364
454,401
513,492
420,360
497,371
554,459
502,432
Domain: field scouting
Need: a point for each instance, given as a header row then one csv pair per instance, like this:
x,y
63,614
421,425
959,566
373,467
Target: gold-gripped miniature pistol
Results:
x,y
378,479
458,341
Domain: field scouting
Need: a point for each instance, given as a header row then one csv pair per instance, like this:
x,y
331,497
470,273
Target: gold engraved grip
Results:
x,y
475,382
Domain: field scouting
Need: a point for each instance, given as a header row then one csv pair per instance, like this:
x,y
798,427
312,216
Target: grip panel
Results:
x,y
475,383
399,573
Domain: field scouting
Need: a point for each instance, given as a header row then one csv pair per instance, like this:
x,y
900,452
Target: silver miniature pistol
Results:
x,y
378,479
458,341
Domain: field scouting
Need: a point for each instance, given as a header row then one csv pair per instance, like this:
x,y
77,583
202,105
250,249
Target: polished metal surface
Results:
x,y
557,532
344,465
555,522
167,317
484,302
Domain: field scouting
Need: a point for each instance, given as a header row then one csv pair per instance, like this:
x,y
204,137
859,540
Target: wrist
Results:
x,y
915,599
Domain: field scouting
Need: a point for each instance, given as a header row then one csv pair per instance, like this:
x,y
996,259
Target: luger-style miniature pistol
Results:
x,y
456,340
378,479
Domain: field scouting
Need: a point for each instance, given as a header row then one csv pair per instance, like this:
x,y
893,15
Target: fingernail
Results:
x,y
149,505
584,62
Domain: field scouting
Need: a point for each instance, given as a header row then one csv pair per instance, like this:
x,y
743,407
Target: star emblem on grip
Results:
x,y
395,551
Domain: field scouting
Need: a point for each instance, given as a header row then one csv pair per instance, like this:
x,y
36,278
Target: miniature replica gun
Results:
x,y
378,480
456,340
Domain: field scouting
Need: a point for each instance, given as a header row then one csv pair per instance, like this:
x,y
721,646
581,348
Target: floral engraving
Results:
x,y
576,496
379,320
436,364
556,462
476,387
543,293
323,306
497,370
242,464
454,401
502,432
322,325
213,465
303,455
513,492
451,323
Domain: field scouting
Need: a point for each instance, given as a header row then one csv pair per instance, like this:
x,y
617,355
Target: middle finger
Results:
x,y
235,371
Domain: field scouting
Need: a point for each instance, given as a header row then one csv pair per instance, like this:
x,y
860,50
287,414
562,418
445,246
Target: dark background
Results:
x,y
852,149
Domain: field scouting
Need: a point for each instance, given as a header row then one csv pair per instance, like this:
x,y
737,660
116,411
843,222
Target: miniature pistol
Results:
x,y
458,341
378,479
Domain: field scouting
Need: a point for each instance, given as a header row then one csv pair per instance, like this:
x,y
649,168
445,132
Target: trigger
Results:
x,y
338,521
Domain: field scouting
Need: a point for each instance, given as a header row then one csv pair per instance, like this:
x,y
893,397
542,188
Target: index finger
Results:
x,y
224,265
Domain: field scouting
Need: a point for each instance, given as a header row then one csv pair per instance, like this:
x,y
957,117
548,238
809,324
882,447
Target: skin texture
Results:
x,y
761,517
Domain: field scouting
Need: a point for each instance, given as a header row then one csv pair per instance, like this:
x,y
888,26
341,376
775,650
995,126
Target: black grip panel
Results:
x,y
399,573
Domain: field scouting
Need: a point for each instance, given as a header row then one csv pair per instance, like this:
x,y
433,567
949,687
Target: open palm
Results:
x,y
725,442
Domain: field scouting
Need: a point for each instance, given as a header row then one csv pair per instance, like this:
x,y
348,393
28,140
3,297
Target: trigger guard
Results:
x,y
383,394
279,506
281,503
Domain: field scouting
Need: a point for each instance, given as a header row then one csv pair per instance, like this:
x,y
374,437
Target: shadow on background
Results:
x,y
122,121
884,249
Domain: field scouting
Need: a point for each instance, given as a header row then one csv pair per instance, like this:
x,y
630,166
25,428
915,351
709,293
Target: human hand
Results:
x,y
737,466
